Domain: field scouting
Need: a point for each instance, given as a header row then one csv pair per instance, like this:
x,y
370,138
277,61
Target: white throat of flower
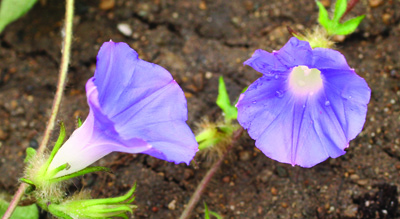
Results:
x,y
304,80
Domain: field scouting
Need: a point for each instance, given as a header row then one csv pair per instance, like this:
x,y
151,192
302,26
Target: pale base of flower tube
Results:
x,y
87,145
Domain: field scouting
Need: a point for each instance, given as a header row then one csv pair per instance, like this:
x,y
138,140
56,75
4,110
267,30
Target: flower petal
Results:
x,y
159,119
295,52
265,62
328,59
121,77
261,103
348,95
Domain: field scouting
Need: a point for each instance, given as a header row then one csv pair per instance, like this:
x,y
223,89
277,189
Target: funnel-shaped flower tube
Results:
x,y
135,107
306,107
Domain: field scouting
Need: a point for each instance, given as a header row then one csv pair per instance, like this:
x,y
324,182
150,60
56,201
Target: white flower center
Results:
x,y
304,80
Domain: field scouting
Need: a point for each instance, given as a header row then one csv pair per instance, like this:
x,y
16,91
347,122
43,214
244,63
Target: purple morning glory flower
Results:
x,y
135,107
306,107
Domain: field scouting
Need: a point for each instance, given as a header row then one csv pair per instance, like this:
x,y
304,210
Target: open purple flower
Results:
x,y
135,107
306,107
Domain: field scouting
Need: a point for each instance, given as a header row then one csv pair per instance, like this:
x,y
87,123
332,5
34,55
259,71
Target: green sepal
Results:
x,y
27,181
31,185
30,154
214,135
79,173
95,208
56,147
207,138
60,214
114,200
207,213
11,10
230,112
54,172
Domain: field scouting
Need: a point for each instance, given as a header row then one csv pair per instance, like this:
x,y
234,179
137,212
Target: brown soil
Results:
x,y
198,41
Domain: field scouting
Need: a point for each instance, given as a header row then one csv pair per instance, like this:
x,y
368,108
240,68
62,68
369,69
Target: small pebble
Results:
x,y
226,179
3,135
172,205
326,3
339,38
245,155
107,4
375,3
175,15
362,182
202,5
208,75
125,29
274,191
154,209
188,95
386,18
350,211
14,104
354,177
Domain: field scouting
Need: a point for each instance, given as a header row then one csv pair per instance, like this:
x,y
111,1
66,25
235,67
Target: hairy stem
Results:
x,y
207,178
69,14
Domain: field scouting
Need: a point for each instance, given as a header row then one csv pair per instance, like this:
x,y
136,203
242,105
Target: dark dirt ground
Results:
x,y
198,41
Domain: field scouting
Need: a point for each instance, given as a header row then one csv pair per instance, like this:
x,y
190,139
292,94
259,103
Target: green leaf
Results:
x,y
334,27
349,26
340,9
215,214
21,212
208,212
10,10
230,112
323,17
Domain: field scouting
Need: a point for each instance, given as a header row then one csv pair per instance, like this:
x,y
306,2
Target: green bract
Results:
x,y
95,208
10,10
333,26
